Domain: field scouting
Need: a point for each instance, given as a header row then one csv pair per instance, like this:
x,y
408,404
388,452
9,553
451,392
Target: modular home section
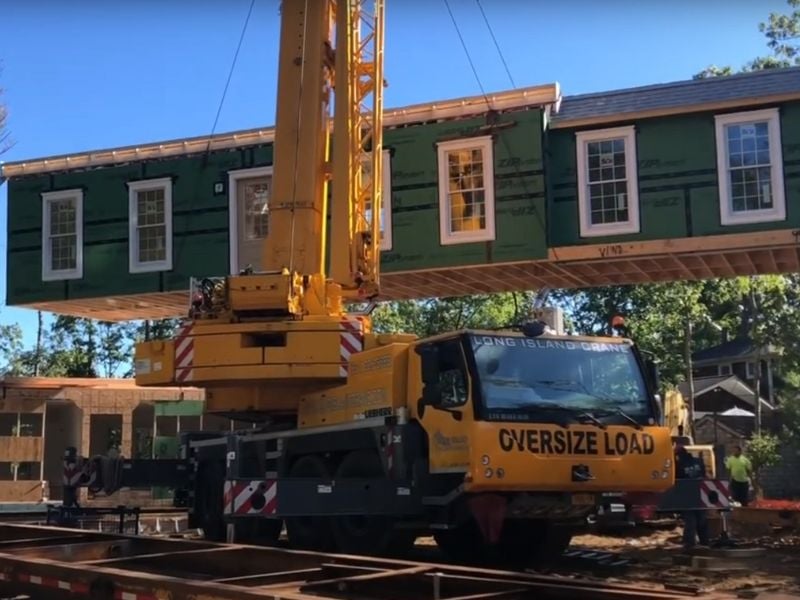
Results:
x,y
118,234
512,191
684,180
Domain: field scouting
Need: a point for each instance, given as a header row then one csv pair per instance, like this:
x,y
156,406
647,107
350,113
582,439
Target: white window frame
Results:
x,y
632,225
233,208
386,201
134,187
778,210
725,369
48,273
486,145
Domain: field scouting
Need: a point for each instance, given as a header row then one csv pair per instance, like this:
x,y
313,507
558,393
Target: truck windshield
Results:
x,y
528,378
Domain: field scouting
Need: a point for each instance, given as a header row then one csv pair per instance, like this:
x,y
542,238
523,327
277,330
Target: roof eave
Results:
x,y
541,95
567,123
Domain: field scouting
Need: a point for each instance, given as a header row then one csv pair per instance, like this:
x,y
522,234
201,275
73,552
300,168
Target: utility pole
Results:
x,y
755,337
687,357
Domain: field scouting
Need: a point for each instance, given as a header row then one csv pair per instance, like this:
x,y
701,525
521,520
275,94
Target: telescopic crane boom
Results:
x,y
285,323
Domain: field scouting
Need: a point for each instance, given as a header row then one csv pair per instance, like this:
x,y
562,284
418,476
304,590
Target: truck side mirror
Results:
x,y
429,372
652,373
429,363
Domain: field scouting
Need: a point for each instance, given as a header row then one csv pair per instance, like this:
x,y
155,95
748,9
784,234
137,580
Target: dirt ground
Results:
x,y
657,556
658,559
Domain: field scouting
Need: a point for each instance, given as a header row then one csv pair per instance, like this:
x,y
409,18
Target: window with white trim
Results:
x,y
62,235
386,199
608,189
750,167
466,190
150,225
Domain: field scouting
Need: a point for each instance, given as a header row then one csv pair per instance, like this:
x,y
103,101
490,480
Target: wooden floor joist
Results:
x,y
591,265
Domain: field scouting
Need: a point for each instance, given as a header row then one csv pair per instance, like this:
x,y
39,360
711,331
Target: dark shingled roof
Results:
x,y
744,86
730,383
741,426
737,348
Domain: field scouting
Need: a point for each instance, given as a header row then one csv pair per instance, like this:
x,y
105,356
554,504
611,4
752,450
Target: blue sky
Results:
x,y
87,74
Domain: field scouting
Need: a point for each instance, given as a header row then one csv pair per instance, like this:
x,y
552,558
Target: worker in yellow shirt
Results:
x,y
740,468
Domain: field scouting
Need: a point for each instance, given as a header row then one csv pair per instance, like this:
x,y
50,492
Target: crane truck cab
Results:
x,y
536,430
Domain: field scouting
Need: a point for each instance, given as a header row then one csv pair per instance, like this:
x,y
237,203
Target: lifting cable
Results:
x,y
480,85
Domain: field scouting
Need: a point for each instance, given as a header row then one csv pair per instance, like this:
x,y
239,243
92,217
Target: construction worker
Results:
x,y
740,469
695,522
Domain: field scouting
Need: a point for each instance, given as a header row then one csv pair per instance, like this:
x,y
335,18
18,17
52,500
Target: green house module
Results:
x,y
515,190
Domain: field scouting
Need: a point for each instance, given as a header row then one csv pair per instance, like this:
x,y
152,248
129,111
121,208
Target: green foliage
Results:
x,y
782,32
763,450
71,347
5,135
430,317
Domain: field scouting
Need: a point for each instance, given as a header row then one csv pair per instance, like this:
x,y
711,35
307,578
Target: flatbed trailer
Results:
x,y
54,563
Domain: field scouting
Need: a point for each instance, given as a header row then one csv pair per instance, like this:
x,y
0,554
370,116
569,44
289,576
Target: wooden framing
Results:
x,y
592,265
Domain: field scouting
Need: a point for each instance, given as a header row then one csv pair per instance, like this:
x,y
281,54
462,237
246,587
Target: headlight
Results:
x,y
501,473
654,474
665,475
488,473
485,459
667,463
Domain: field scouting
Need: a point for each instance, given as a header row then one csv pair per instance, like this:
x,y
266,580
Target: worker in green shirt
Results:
x,y
740,468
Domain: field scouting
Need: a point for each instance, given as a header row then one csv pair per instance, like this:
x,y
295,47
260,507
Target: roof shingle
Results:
x,y
743,86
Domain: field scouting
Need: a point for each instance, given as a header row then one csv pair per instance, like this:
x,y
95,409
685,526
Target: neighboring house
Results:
x,y
514,190
717,395
40,417
738,357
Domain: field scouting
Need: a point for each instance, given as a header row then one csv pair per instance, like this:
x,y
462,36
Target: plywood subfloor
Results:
x,y
569,267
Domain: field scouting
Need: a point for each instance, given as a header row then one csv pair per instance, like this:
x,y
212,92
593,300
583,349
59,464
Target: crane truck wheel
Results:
x,y
314,532
462,544
367,534
259,531
527,542
211,481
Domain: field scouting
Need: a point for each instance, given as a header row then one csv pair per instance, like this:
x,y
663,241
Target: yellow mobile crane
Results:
x,y
489,440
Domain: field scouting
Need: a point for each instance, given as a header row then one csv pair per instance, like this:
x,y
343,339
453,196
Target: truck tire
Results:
x,y
258,531
462,544
313,532
211,480
373,535
527,542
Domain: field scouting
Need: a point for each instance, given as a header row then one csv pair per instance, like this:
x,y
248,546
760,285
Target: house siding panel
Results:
x,y
200,222
677,174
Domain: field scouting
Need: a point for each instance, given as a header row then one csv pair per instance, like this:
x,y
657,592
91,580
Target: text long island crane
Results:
x,y
495,442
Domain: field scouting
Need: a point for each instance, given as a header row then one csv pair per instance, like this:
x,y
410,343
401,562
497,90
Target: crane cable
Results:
x,y
230,73
543,293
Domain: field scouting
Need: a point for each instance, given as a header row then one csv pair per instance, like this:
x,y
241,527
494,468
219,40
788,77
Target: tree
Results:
x,y
783,33
5,135
437,315
763,450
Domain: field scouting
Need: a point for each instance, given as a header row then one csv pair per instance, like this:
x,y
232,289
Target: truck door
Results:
x,y
444,408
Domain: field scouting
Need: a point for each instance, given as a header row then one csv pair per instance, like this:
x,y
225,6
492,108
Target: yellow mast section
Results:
x,y
308,65
285,323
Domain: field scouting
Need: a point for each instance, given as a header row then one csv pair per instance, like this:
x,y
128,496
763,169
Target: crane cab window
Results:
x,y
444,373
453,385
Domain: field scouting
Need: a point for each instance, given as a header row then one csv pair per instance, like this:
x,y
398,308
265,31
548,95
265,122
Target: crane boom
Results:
x,y
284,323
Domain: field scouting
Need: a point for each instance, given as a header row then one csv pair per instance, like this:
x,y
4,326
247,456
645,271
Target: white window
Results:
x,y
62,235
386,200
725,369
150,225
608,189
466,190
750,167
